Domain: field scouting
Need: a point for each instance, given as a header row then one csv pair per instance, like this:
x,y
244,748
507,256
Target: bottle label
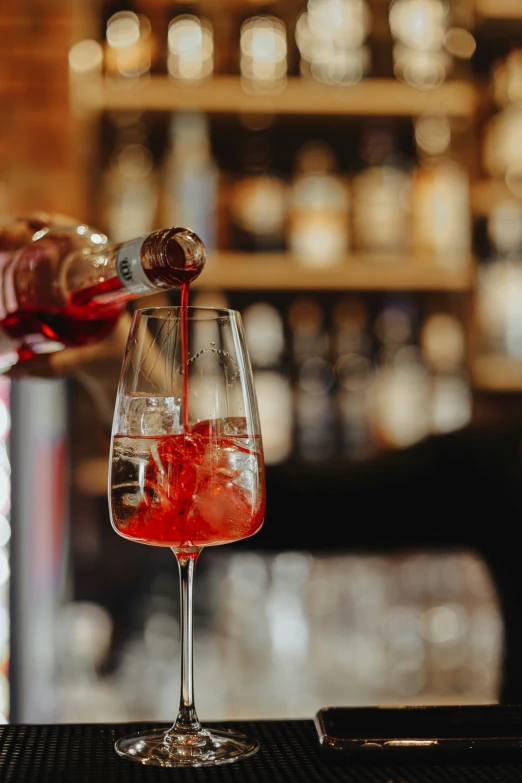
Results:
x,y
130,270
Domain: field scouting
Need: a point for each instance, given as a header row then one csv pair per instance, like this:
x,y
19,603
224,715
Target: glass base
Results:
x,y
207,748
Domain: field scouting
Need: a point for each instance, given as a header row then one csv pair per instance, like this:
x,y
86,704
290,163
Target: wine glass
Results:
x,y
187,471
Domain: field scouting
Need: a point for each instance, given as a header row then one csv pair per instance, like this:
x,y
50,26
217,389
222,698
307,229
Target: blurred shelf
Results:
x,y
499,9
497,373
224,94
280,271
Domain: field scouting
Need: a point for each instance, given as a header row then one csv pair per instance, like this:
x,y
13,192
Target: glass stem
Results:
x,y
187,721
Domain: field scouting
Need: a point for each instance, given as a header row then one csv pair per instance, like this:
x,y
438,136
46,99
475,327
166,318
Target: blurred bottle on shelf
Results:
x,y
313,378
319,208
67,285
499,296
129,47
190,41
443,345
265,338
83,640
331,37
258,200
354,376
191,177
501,151
419,28
263,54
381,200
441,212
401,391
130,189
507,79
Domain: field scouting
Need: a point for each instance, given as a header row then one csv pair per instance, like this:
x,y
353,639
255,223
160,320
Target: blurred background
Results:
x,y
355,170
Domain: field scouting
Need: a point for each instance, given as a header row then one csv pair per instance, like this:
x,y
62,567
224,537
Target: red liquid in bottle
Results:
x,y
64,289
34,312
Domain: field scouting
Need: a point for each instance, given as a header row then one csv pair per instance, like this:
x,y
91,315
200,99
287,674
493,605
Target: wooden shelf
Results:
x,y
497,373
499,9
279,271
224,94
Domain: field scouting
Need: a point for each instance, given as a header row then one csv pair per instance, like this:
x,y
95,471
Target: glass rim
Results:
x,y
166,312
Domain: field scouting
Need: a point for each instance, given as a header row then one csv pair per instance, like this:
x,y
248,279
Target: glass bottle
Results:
x,y
354,376
499,299
190,40
418,28
264,332
129,46
381,211
443,346
319,209
190,177
401,392
331,37
441,216
130,191
263,54
68,286
258,200
313,375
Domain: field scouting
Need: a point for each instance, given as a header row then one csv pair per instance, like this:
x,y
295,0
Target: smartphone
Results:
x,y
420,731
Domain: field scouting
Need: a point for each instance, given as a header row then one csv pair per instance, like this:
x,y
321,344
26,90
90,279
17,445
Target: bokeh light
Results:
x,y
263,59
191,48
330,36
86,57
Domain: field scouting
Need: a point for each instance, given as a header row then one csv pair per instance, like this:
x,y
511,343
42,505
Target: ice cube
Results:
x,y
141,415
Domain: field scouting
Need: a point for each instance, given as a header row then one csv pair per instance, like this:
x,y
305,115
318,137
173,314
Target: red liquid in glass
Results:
x,y
188,490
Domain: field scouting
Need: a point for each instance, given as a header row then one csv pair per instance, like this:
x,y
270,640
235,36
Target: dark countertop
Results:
x,y
76,753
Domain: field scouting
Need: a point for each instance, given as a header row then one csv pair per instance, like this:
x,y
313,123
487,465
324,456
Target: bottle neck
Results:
x,y
115,273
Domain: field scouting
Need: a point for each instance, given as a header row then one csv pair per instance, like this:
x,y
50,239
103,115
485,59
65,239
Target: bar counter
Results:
x,y
77,753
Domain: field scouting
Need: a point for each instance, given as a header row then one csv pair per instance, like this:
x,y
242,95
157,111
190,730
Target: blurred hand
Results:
x,y
70,361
